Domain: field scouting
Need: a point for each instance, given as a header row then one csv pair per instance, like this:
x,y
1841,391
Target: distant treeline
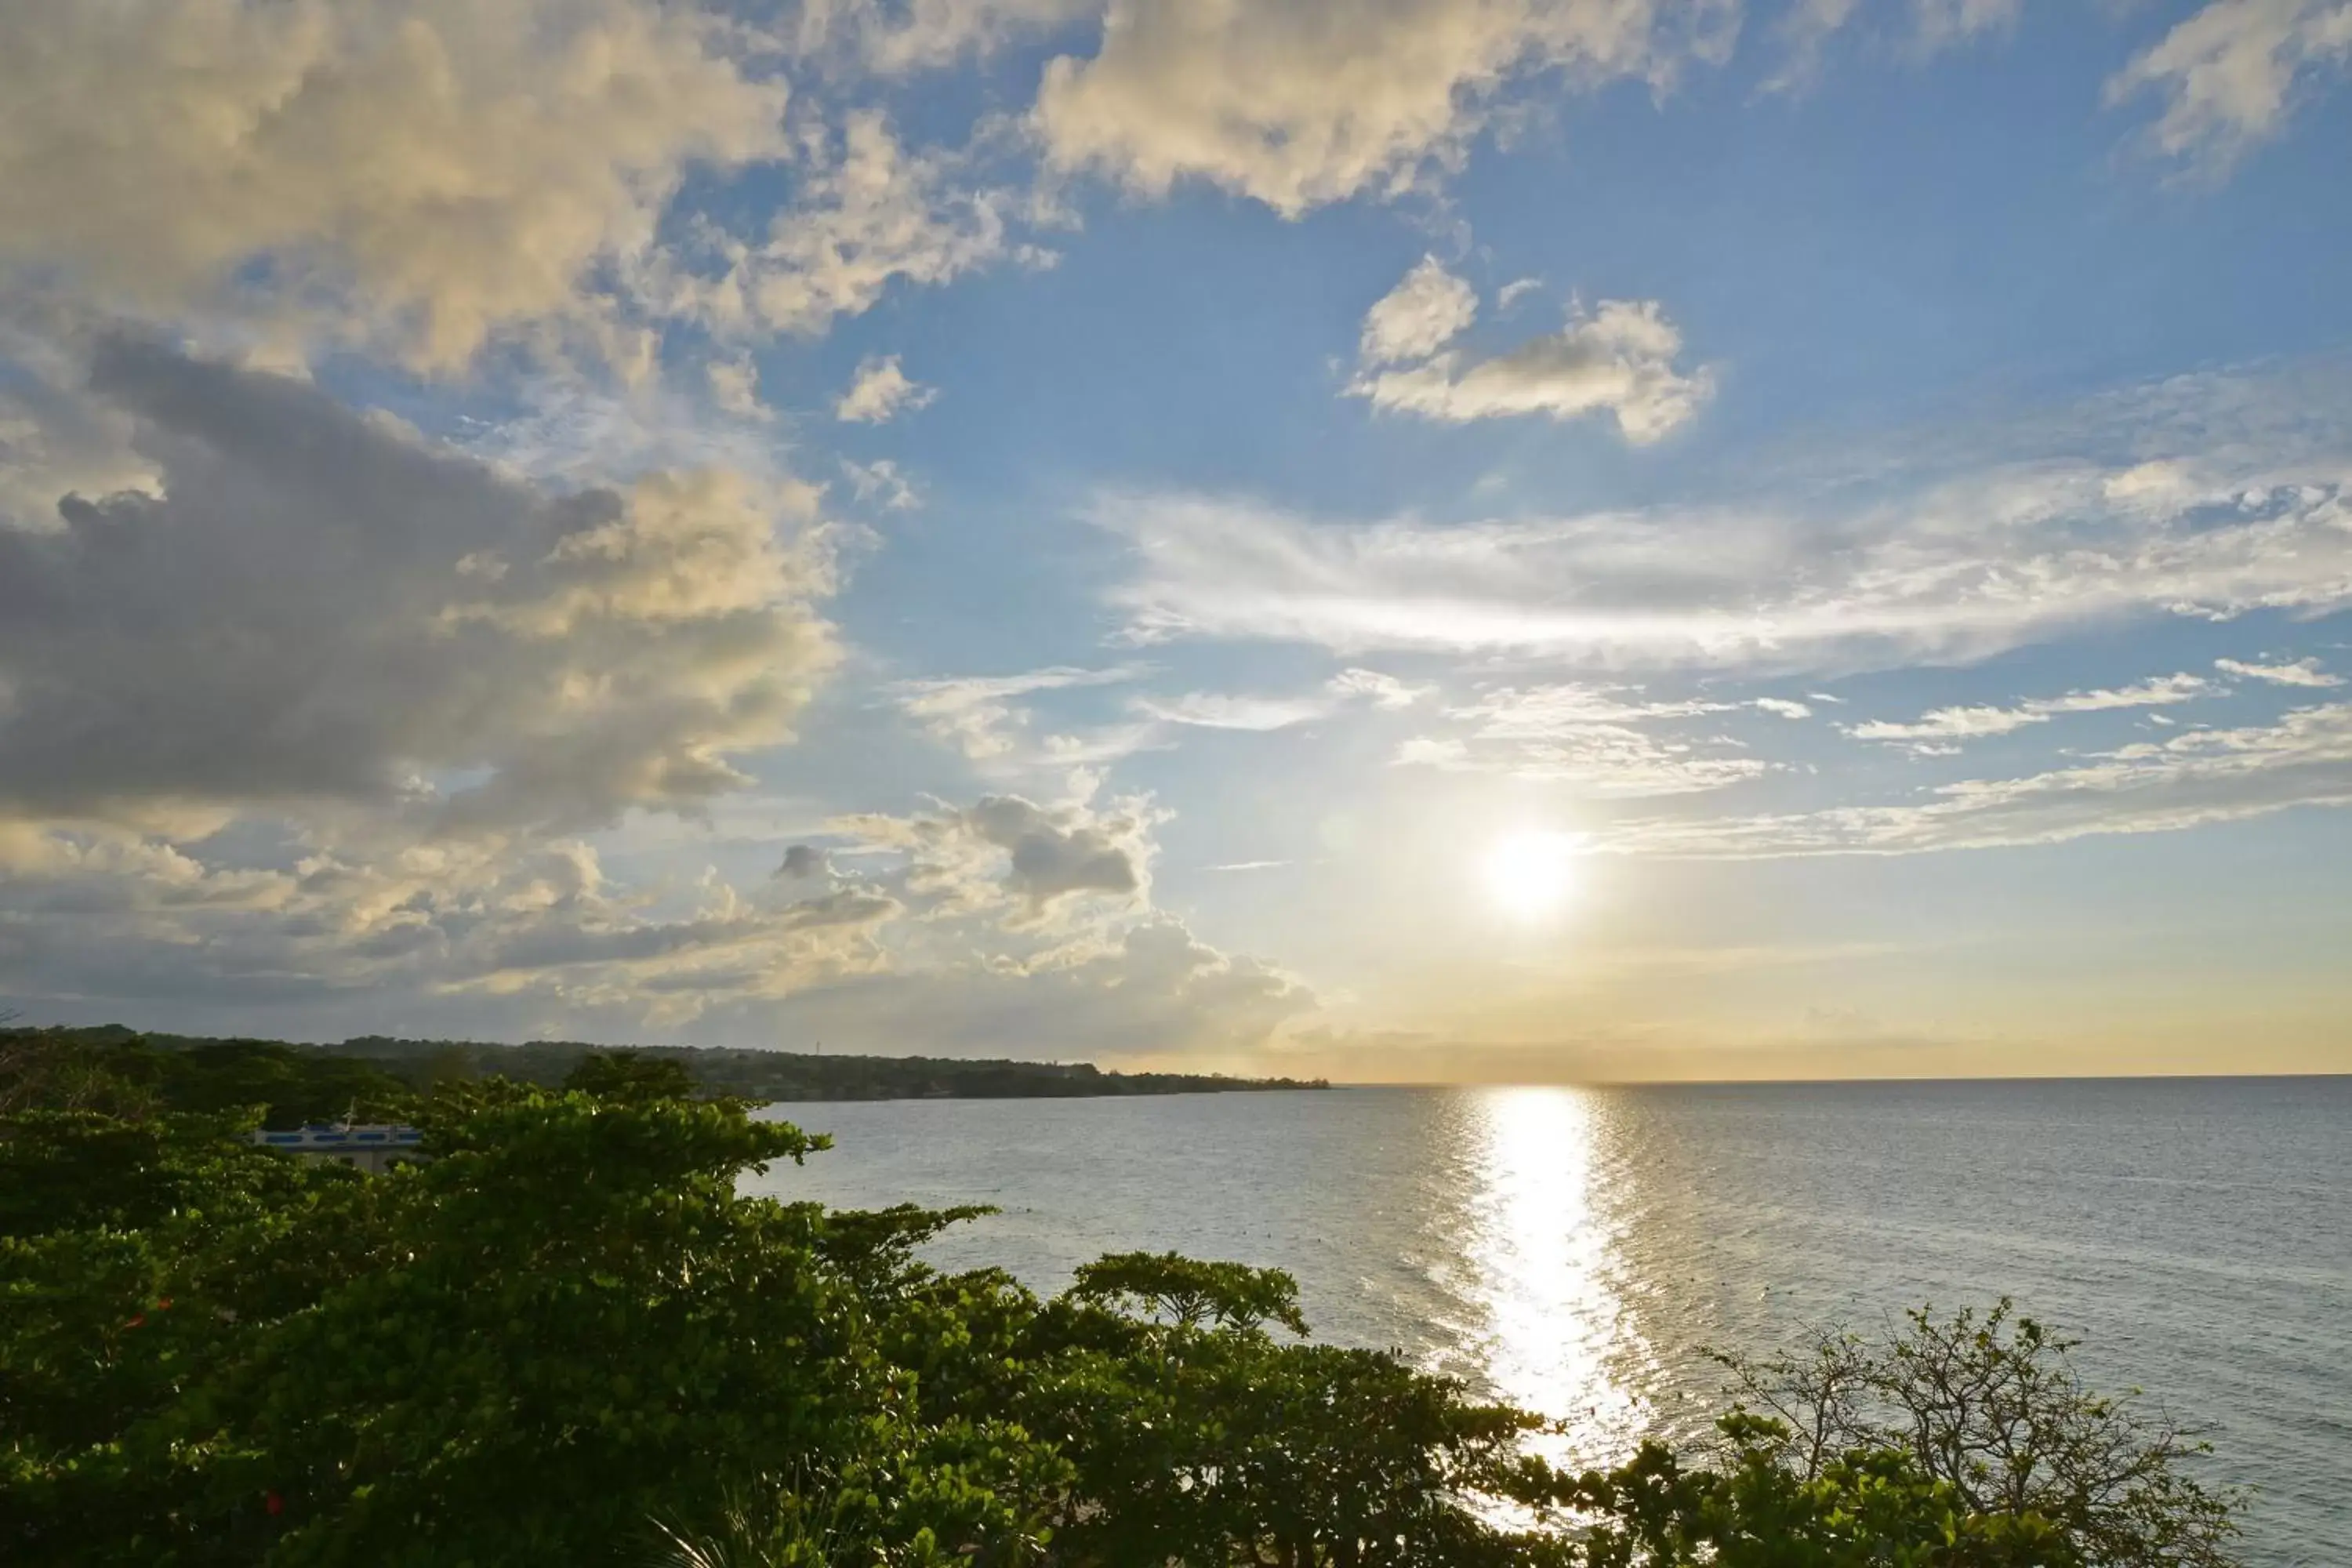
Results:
x,y
307,1082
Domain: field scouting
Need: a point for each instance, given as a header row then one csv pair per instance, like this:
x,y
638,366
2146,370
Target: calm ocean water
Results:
x,y
1572,1249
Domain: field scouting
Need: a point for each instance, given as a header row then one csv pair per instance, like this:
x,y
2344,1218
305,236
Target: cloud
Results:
x,y
2182,781
319,608
735,387
710,949
1153,989
422,172
1605,761
881,483
1223,710
1946,24
55,439
1004,927
1510,293
1808,26
1230,711
2301,672
1781,706
1419,316
1380,690
1932,733
879,391
1298,104
1953,555
802,862
927,35
485,929
2231,75
1587,736
980,715
1007,851
974,713
866,213
1945,724
1538,712
1619,360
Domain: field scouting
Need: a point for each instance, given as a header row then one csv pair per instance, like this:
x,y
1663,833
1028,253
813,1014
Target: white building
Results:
x,y
368,1147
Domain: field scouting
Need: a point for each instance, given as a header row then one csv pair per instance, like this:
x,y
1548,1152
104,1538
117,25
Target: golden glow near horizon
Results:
x,y
1532,875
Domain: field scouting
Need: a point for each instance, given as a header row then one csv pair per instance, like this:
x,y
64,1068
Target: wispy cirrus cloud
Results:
x,y
2305,672
1949,555
1231,710
2231,75
900,40
1265,712
2303,759
1608,741
980,715
1939,732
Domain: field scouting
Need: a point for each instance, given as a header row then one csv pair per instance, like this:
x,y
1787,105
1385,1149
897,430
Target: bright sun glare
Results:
x,y
1530,875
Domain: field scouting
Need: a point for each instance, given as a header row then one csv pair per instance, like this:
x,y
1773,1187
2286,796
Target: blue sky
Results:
x,y
1411,539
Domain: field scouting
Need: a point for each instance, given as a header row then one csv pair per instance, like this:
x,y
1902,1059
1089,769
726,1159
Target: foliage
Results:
x,y
125,1075
569,1338
1864,1508
626,1075
1990,1407
1190,1293
48,1069
755,1075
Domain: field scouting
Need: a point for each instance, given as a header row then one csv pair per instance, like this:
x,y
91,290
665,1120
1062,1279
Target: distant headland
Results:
x,y
760,1074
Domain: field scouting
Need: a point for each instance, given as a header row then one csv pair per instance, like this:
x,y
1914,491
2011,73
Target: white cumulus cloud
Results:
x,y
1420,315
1619,360
2304,759
417,172
1297,104
880,390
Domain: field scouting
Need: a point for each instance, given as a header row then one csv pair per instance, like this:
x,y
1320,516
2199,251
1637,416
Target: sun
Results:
x,y
1531,875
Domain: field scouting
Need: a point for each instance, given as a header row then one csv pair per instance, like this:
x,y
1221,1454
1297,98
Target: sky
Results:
x,y
1399,540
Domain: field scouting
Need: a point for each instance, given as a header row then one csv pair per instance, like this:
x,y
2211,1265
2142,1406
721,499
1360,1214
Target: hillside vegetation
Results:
x,y
307,1082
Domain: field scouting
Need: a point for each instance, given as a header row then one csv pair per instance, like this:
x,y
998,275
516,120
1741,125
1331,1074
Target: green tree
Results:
x,y
61,1069
1990,1407
626,1075
1864,1508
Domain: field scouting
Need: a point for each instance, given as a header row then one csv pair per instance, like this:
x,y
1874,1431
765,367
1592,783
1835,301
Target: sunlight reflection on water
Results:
x,y
1542,1264
1572,1250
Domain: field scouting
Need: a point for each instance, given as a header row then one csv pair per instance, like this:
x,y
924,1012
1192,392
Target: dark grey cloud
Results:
x,y
320,606
1053,856
1007,849
803,861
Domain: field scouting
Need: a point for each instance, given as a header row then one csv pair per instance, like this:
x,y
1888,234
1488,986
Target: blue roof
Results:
x,y
320,1136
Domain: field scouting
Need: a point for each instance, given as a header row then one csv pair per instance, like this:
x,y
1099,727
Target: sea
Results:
x,y
1576,1250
